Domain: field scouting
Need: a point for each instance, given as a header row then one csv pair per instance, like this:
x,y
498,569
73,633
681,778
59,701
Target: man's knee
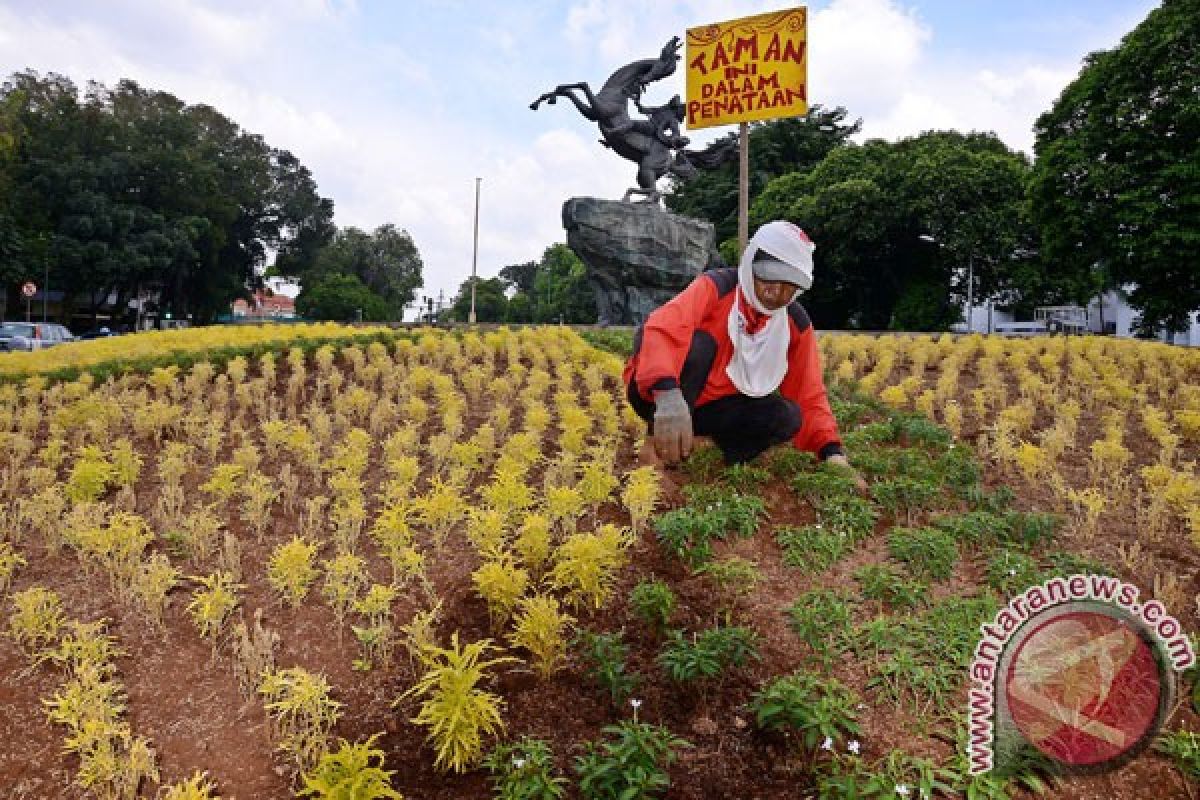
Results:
x,y
789,419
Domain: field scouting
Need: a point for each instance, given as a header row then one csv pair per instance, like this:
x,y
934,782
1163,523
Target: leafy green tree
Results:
x,y
554,289
386,261
520,308
777,147
491,300
521,275
343,298
897,225
1116,188
129,189
10,240
560,290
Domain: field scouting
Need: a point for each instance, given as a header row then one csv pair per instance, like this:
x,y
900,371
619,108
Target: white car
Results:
x,y
32,335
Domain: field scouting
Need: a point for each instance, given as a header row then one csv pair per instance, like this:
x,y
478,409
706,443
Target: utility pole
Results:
x,y
743,186
970,292
474,254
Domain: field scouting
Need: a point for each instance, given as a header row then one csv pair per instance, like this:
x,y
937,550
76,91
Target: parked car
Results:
x,y
99,333
32,335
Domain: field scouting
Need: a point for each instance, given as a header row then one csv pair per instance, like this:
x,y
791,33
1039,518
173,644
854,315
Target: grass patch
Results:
x,y
921,660
884,585
821,619
812,548
929,552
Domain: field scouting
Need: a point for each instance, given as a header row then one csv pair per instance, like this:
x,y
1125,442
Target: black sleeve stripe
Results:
x,y
799,316
725,279
833,448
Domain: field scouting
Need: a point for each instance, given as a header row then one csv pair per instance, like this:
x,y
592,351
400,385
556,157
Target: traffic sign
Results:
x,y
29,289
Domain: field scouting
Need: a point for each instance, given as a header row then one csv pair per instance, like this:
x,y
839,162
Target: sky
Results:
x,y
398,106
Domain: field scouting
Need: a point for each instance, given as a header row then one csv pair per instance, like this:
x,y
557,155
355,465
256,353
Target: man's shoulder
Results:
x,y
799,316
725,279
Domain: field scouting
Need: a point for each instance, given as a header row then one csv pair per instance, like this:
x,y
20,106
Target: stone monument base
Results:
x,y
637,255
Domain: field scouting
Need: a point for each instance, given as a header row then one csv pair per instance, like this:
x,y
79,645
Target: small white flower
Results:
x,y
827,744
635,703
902,790
518,762
1012,571
854,746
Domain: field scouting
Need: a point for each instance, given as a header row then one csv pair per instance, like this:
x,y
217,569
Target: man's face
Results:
x,y
774,294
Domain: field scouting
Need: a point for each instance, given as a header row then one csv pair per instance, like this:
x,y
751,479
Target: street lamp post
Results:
x,y
475,253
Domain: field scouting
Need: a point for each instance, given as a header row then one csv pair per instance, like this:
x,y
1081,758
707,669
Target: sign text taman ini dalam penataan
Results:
x,y
748,69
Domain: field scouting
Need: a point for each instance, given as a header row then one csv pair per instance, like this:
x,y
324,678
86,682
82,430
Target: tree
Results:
x,y
868,208
343,298
1116,188
521,275
560,289
777,147
130,189
491,300
385,261
554,289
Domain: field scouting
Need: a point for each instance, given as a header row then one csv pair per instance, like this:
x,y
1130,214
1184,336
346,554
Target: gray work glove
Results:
x,y
672,426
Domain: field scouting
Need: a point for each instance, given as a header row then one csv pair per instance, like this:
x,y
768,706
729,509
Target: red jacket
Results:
x,y
705,305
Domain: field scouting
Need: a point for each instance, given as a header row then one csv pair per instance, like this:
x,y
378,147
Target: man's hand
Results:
x,y
840,460
672,426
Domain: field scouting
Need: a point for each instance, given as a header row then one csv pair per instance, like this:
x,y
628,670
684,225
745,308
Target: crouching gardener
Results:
x,y
733,357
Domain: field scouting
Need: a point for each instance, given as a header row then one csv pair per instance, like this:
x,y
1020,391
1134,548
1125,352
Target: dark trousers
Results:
x,y
741,426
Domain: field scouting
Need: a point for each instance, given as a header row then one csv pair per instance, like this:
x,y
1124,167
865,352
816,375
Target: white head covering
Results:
x,y
759,359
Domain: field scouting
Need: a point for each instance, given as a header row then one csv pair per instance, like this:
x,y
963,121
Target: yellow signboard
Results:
x,y
748,69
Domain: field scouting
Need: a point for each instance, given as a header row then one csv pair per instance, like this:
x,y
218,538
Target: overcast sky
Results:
x,y
398,105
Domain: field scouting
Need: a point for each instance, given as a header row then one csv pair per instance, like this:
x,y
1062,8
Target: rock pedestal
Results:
x,y
637,255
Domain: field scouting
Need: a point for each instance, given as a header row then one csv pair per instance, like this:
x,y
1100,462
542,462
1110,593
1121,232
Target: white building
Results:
x,y
1108,313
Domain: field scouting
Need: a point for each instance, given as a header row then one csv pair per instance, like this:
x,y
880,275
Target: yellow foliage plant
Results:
x,y
641,495
292,569
456,711
541,628
501,584
302,712
586,564
35,621
213,603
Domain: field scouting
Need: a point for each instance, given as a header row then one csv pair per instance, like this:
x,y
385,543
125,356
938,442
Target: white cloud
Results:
x,y
397,131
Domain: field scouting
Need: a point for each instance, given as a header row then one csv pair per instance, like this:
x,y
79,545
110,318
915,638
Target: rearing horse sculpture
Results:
x,y
654,144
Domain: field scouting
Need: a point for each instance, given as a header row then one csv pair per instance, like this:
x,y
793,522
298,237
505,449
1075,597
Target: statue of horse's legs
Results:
x,y
647,178
649,195
565,90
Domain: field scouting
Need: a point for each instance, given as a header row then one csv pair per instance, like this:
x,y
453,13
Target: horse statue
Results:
x,y
654,143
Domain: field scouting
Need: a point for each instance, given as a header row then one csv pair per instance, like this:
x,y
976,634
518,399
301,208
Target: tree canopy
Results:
x,y
129,189
777,147
899,226
385,262
342,297
491,301
1116,187
554,289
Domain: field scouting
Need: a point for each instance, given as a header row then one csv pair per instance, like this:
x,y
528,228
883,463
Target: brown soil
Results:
x,y
186,700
